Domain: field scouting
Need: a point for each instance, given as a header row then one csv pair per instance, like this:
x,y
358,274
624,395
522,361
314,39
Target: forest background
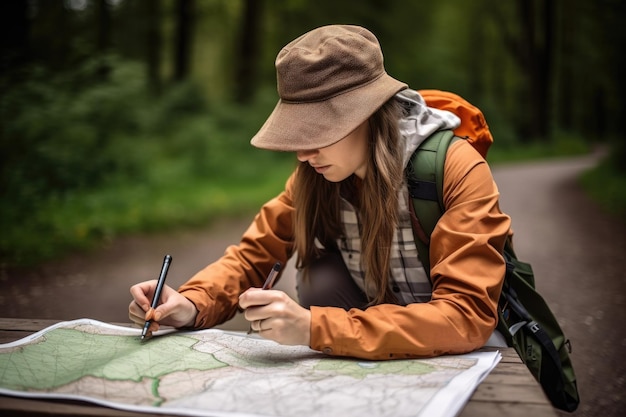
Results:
x,y
129,116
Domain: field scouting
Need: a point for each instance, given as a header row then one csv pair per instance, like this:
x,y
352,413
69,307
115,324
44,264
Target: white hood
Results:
x,y
421,121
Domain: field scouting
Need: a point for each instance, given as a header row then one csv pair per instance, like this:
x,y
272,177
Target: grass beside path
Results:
x,y
84,220
606,184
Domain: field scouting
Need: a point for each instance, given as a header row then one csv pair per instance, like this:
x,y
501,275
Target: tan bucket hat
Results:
x,y
330,80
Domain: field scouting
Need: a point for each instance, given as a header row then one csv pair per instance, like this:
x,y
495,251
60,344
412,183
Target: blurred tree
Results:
x,y
530,40
103,35
404,30
565,71
103,31
184,38
247,59
138,34
589,84
541,65
14,33
154,43
615,82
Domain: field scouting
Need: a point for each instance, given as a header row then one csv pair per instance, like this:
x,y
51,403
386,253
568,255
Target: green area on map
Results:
x,y
66,355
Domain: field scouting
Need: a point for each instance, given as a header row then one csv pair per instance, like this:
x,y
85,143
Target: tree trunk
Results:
x,y
543,84
14,34
154,43
103,40
248,51
184,30
533,50
565,97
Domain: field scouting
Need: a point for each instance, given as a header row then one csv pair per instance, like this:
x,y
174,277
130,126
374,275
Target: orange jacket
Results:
x,y
467,274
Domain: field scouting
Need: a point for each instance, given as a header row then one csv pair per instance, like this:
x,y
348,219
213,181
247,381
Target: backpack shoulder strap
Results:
x,y
425,182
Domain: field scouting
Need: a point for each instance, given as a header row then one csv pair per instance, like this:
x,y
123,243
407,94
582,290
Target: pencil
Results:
x,y
271,277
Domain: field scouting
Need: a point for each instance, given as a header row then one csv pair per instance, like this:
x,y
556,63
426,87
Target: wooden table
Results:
x,y
509,390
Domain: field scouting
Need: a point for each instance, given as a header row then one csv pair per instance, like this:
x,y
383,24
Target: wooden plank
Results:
x,y
518,378
32,325
15,329
14,406
514,370
527,394
7,336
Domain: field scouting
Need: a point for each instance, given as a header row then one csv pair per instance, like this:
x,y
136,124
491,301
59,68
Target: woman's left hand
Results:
x,y
274,315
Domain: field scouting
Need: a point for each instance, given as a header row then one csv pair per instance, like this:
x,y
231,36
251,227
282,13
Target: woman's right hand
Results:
x,y
175,310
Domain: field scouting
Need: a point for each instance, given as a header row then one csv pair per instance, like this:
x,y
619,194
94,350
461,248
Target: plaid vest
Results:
x,y
408,281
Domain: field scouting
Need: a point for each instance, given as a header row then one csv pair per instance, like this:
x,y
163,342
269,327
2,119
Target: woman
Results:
x,y
345,212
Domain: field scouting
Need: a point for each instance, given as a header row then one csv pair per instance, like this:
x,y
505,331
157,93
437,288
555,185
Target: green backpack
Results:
x,y
525,320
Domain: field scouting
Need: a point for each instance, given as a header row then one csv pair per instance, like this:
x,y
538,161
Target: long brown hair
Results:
x,y
317,204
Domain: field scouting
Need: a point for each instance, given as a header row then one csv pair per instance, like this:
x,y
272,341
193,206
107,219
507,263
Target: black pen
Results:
x,y
269,282
157,291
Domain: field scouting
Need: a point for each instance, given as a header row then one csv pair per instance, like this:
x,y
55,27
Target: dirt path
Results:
x,y
577,255
96,285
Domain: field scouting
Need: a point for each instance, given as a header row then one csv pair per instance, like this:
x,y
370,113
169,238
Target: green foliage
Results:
x,y
59,135
606,182
85,162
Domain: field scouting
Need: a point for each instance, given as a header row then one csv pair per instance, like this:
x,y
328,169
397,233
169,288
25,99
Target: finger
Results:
x,y
136,321
255,313
153,316
265,325
136,314
255,297
140,293
257,326
149,314
162,311
154,326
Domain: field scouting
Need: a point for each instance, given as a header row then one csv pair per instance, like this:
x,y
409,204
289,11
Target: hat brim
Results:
x,y
313,125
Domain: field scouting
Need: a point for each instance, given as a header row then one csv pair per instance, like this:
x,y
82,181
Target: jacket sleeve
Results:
x,y
467,275
215,290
